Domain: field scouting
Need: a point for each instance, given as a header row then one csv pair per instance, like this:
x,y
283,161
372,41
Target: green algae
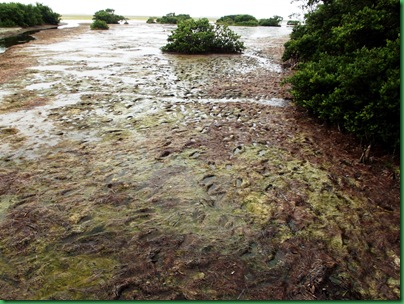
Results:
x,y
177,189
5,202
326,205
257,205
74,277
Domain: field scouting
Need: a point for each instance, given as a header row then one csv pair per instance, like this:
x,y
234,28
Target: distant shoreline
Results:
x,y
6,32
90,17
139,18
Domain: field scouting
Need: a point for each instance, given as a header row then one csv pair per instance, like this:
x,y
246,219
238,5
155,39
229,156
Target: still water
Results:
x,y
14,40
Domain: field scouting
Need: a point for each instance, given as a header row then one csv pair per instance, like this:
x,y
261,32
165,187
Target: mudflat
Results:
x,y
126,173
13,31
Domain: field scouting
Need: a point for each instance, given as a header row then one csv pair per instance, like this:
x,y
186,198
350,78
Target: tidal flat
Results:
x,y
130,174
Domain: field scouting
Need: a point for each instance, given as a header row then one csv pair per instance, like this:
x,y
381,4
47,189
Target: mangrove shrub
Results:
x,y
238,20
274,21
99,25
17,14
348,67
108,16
248,20
199,37
172,18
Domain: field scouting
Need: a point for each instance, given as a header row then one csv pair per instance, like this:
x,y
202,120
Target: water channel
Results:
x,y
14,40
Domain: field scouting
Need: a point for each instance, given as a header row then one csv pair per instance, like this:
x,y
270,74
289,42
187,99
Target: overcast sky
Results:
x,y
195,8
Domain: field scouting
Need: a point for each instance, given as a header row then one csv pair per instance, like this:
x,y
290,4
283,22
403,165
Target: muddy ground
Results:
x,y
13,31
126,173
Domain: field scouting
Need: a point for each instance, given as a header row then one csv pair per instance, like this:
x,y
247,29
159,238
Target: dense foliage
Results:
x,y
248,20
239,20
17,14
99,25
274,21
171,18
348,72
199,37
108,16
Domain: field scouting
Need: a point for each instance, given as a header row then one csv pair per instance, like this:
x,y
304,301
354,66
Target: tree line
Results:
x,y
347,58
170,18
229,20
22,15
248,20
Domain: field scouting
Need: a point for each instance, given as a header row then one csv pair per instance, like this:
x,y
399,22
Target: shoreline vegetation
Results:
x,y
21,15
17,18
347,69
6,32
228,20
129,17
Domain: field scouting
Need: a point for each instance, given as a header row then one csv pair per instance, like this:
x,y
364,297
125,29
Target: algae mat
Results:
x,y
129,174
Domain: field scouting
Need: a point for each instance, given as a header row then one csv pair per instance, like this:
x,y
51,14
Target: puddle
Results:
x,y
4,93
40,86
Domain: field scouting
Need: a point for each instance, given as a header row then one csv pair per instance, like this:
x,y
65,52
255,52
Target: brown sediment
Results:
x,y
14,31
14,63
158,181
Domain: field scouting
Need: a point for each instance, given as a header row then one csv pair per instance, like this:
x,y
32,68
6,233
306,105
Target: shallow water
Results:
x,y
126,62
5,43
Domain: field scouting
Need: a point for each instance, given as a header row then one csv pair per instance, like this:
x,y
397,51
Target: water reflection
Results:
x,y
14,40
